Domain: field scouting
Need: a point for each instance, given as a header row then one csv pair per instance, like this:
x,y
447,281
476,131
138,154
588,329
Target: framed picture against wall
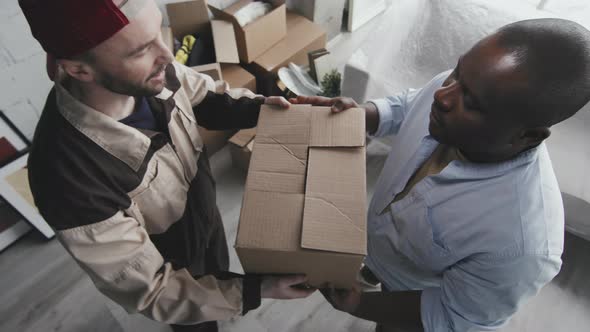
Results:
x,y
17,210
13,143
12,225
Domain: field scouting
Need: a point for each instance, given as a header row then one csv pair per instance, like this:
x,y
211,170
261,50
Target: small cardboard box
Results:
x,y
259,36
241,146
191,17
303,36
238,77
304,208
213,70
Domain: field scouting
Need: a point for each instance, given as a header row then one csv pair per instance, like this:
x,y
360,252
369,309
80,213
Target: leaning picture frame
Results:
x,y
12,225
16,201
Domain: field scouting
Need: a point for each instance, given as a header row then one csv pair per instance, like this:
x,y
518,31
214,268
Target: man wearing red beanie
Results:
x,y
119,170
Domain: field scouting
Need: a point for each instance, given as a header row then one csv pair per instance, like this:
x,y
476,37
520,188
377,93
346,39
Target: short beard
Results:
x,y
117,85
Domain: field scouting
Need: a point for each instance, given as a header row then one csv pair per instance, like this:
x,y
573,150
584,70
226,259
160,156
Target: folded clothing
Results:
x,y
196,51
252,11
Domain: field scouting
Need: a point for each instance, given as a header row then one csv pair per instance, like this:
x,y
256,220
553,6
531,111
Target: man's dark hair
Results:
x,y
554,55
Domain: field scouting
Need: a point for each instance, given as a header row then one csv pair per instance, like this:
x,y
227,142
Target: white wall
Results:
x,y
418,39
23,82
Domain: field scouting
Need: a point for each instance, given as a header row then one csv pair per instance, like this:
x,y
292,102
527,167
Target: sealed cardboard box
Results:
x,y
256,37
241,146
190,17
303,36
304,208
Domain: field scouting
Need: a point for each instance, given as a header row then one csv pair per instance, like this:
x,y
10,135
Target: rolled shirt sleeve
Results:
x,y
392,112
480,294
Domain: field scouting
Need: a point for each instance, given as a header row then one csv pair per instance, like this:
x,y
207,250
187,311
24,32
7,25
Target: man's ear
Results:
x,y
533,136
77,69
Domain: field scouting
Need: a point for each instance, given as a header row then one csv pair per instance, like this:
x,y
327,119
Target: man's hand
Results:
x,y
340,104
278,101
282,287
346,300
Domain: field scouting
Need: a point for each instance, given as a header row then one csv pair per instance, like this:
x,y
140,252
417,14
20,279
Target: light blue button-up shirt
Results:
x,y
478,239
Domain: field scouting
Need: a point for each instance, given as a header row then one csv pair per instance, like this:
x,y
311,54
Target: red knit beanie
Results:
x,y
67,28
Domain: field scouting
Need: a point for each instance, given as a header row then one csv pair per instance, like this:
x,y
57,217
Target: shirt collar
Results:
x,y
125,143
466,169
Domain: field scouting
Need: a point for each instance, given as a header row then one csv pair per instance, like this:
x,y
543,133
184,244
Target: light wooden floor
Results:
x,y
44,290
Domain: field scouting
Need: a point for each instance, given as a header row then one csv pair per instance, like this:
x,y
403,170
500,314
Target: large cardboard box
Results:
x,y
304,208
303,36
259,36
191,17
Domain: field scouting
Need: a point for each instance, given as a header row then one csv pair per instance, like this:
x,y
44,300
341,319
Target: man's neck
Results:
x,y
492,157
115,105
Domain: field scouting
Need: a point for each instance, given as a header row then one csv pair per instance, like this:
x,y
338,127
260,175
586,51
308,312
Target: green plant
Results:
x,y
331,84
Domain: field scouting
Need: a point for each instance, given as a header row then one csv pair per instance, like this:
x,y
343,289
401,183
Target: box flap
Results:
x,y
277,158
250,146
236,6
278,168
301,33
284,126
224,39
344,129
270,220
243,137
261,34
188,17
276,182
334,216
238,77
222,15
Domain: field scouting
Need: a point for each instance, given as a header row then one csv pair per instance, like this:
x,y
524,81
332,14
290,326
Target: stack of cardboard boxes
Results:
x,y
262,47
192,17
